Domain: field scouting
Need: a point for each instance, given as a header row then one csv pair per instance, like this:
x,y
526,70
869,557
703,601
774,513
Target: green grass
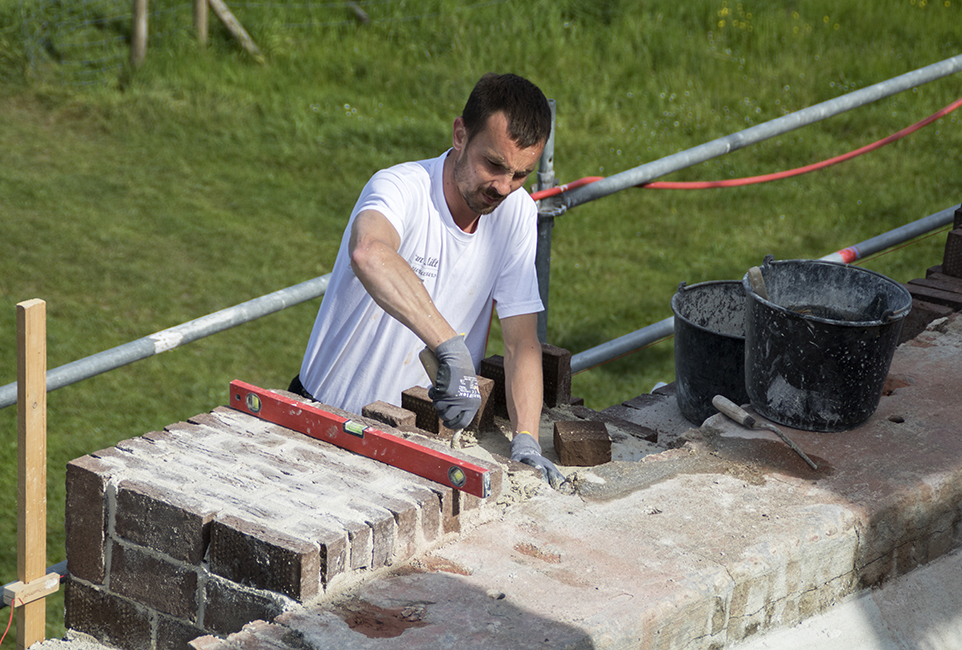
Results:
x,y
204,180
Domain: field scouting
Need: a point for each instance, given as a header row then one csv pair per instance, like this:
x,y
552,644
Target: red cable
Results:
x,y
736,182
9,623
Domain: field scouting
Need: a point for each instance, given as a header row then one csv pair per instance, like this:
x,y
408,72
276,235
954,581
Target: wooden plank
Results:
x,y
361,439
31,463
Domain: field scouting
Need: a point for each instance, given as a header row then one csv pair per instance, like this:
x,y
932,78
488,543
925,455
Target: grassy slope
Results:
x,y
208,180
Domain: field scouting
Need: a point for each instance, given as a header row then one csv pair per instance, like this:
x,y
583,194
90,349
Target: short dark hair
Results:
x,y
522,102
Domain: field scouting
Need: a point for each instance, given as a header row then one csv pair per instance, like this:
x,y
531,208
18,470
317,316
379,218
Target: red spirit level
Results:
x,y
361,439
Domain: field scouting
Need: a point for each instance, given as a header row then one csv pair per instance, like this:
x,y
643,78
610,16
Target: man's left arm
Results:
x,y
522,372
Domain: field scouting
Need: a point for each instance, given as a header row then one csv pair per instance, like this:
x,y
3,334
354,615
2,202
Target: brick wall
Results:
x,y
224,519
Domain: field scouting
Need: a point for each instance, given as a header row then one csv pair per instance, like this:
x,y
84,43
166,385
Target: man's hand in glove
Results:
x,y
455,392
525,449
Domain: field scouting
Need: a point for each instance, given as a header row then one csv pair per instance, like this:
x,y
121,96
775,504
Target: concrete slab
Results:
x,y
698,547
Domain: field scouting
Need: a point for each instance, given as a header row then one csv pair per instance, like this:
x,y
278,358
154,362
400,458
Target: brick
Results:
x,y
162,520
637,430
334,541
230,607
556,370
106,617
389,414
85,523
174,634
919,317
493,368
952,257
582,443
159,584
416,399
924,290
252,555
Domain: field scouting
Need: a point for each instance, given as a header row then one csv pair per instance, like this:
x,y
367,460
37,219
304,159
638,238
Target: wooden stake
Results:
x,y
200,21
32,463
138,34
236,29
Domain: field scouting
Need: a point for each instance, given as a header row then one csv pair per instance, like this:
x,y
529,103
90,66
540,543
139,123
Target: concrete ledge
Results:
x,y
698,548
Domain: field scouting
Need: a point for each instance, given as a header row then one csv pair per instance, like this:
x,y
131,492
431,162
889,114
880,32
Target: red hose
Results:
x,y
736,182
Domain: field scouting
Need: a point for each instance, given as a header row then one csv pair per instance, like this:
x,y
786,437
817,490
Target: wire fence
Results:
x,y
87,42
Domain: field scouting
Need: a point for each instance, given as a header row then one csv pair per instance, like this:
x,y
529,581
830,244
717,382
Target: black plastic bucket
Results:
x,y
709,346
818,350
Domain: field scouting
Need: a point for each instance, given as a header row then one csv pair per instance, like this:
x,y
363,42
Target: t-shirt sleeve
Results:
x,y
388,194
516,289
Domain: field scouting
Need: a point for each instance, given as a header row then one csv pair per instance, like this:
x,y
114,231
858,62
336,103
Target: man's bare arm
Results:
x,y
391,282
522,372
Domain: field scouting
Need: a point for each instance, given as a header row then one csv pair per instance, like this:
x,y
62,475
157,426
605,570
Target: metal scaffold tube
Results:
x,y
174,337
684,159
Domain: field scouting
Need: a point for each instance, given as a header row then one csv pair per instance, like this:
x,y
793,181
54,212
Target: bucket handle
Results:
x,y
888,315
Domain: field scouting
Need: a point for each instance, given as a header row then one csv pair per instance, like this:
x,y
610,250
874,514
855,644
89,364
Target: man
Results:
x,y
430,247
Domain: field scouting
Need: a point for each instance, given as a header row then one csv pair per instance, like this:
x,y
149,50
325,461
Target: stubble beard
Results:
x,y
473,198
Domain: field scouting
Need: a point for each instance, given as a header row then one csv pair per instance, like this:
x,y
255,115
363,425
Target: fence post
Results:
x,y
548,209
200,21
138,34
28,593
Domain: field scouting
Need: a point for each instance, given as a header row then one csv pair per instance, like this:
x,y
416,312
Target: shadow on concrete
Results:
x,y
416,608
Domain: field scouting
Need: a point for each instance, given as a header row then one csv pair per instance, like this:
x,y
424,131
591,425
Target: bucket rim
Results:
x,y
683,287
887,318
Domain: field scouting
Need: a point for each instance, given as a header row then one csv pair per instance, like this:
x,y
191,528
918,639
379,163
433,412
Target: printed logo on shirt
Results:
x,y
426,268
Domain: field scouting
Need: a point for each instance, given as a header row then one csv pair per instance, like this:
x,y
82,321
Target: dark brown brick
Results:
x,y
257,557
493,368
85,524
389,414
582,443
230,607
175,634
162,520
922,291
335,541
556,369
106,617
636,430
416,399
919,317
146,579
952,257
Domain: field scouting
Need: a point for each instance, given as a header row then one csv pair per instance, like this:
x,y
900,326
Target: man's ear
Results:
x,y
459,137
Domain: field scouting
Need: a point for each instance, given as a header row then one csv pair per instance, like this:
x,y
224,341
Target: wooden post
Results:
x,y
32,465
138,34
236,29
200,21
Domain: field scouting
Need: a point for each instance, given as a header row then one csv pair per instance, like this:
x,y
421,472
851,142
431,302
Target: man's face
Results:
x,y
491,166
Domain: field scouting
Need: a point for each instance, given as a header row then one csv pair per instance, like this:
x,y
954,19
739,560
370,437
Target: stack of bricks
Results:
x,y
224,519
940,292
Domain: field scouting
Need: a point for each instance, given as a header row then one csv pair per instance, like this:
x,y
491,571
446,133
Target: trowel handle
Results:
x,y
430,363
732,410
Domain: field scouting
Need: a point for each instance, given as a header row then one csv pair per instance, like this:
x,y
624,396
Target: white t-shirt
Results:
x,y
357,353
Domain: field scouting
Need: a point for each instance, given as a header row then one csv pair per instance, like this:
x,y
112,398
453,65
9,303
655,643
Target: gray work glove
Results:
x,y
455,391
525,449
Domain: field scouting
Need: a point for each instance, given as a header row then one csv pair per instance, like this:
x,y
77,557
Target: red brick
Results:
x,y
230,607
162,520
159,584
389,414
582,443
252,555
85,524
106,617
556,370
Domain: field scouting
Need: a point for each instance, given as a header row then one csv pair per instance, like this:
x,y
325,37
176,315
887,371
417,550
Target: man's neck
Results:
x,y
464,217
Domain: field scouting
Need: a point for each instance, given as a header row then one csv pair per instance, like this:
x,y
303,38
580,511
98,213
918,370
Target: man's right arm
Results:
x,y
391,281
